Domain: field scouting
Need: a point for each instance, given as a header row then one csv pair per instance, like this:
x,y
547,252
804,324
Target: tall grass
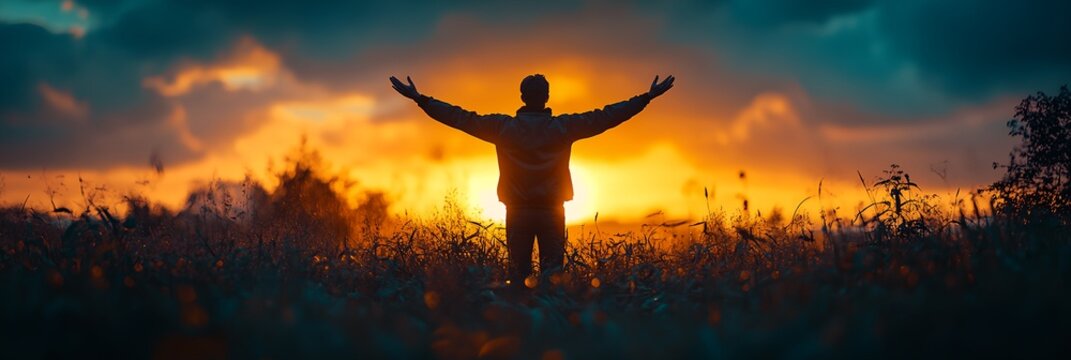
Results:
x,y
297,272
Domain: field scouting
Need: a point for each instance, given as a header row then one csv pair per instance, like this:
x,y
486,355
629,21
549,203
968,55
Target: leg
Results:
x,y
519,239
551,233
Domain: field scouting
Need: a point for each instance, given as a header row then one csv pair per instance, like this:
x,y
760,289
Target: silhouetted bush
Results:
x,y
309,207
1037,185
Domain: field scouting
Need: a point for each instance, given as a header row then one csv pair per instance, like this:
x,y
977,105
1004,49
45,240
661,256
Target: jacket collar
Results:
x,y
527,109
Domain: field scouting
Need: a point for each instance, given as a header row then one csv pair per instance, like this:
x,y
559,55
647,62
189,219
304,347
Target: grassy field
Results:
x,y
295,273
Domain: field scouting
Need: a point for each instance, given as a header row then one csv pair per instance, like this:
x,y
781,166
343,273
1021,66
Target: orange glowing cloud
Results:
x,y
178,122
249,67
63,101
967,119
766,109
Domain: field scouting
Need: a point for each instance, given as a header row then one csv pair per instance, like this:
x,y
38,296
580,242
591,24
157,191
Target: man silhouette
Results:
x,y
533,150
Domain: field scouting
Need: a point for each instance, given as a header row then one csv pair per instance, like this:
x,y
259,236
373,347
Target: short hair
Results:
x,y
535,89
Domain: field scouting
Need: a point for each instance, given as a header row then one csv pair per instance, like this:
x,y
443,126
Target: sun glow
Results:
x,y
349,107
483,195
585,194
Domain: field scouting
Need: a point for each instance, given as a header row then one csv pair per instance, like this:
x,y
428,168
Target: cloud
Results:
x,y
907,58
981,49
27,54
178,121
63,102
788,12
767,109
249,67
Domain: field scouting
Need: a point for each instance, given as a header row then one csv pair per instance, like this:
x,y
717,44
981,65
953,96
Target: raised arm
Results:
x,y
591,123
485,127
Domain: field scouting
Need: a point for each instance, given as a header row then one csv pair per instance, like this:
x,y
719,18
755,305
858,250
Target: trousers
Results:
x,y
524,224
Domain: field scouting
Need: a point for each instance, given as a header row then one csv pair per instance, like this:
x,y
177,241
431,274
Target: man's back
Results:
x,y
533,147
533,160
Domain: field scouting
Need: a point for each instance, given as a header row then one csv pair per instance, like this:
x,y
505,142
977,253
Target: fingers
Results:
x,y
397,82
660,88
408,91
668,80
667,83
400,87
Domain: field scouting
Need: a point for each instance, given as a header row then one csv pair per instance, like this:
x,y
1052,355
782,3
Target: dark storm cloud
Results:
x,y
99,78
34,134
904,57
163,31
978,48
781,12
28,53
310,36
319,41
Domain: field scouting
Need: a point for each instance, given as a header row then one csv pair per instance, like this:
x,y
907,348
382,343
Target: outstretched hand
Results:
x,y
408,91
660,88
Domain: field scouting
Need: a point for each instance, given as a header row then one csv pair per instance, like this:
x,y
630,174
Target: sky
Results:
x,y
772,97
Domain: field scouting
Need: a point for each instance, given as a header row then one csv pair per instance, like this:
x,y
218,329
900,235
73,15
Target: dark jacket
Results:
x,y
533,147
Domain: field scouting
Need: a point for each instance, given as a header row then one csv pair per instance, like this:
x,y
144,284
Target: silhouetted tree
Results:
x,y
307,206
1038,179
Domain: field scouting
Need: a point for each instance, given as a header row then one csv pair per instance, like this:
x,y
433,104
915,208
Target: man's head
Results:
x,y
535,90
